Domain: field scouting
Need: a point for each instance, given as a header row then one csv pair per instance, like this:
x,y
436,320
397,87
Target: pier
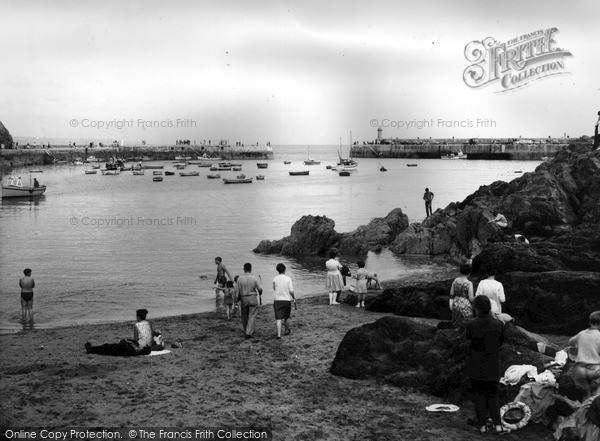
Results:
x,y
42,156
435,149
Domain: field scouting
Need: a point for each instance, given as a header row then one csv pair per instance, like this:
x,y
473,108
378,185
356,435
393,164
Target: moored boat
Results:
x,y
157,173
213,176
91,172
344,173
138,172
238,181
14,188
299,173
262,164
260,177
157,178
191,173
153,166
411,165
169,173
110,172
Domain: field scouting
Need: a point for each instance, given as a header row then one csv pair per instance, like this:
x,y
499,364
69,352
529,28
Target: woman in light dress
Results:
x,y
333,282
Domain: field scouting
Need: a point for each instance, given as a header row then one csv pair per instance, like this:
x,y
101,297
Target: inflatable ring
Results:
x,y
516,405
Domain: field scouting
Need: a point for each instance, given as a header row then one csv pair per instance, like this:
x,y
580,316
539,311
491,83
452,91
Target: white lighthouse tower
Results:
x,y
379,134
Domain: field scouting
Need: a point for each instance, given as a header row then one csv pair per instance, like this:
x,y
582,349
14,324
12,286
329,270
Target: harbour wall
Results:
x,y
473,151
25,157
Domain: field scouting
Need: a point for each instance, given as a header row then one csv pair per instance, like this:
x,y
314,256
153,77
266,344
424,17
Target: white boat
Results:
x,y
138,172
346,164
238,181
110,172
311,161
14,188
157,173
213,176
191,173
459,155
78,161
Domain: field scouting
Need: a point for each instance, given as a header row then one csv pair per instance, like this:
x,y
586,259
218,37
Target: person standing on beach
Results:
x,y
428,198
361,283
587,361
461,296
485,335
283,296
27,284
333,281
247,292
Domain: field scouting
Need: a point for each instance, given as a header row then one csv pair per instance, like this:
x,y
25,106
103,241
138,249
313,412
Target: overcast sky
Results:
x,y
287,72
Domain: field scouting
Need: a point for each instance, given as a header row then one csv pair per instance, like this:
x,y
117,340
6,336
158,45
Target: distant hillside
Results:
x,y
5,137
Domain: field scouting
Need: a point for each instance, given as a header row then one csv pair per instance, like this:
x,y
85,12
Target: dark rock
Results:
x,y
5,136
315,235
412,352
556,302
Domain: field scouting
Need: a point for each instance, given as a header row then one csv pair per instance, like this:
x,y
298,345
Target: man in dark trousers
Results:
x,y
428,197
248,290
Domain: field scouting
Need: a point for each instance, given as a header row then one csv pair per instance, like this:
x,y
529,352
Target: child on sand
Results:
x,y
228,295
361,283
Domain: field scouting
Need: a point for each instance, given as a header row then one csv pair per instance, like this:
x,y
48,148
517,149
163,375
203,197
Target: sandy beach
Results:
x,y
218,379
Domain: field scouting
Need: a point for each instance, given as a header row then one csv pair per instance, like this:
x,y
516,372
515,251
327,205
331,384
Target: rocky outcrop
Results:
x,y
410,352
315,235
5,137
556,302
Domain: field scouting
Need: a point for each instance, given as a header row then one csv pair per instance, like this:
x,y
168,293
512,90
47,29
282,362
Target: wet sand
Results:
x,y
218,379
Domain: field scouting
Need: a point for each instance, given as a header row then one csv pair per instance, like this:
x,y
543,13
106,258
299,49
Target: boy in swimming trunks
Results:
x,y
27,284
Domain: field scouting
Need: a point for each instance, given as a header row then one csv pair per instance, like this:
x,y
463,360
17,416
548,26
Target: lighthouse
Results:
x,y
379,134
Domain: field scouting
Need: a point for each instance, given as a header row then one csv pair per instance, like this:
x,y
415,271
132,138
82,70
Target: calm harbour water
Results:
x,y
102,246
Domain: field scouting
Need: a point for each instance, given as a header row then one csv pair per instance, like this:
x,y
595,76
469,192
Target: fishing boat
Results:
x,y
346,164
138,172
91,172
106,171
260,177
310,161
238,181
169,173
157,178
459,155
300,173
157,173
262,164
191,173
14,188
213,176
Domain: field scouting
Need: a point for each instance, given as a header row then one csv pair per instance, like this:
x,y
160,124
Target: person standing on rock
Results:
x,y
247,291
333,280
587,361
485,335
596,136
493,290
428,197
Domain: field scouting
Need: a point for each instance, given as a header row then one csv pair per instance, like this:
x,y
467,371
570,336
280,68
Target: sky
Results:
x,y
310,72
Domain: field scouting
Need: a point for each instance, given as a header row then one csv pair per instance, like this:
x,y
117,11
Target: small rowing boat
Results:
x,y
192,173
300,173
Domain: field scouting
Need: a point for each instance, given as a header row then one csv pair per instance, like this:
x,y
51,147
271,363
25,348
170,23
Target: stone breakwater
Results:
x,y
26,157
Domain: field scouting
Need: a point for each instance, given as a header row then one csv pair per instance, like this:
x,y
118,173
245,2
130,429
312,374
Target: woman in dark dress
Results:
x,y
485,335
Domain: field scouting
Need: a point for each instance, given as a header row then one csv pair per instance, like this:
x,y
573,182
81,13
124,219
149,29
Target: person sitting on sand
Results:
x,y
140,345
461,296
587,370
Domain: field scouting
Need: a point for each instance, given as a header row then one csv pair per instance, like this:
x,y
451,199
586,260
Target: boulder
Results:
x,y
553,302
413,352
315,235
5,136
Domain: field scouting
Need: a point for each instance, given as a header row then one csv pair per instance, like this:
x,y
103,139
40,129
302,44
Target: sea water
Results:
x,y
101,247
